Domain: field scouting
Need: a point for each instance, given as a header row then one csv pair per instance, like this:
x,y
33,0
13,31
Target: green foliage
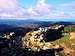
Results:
x,y
65,39
69,28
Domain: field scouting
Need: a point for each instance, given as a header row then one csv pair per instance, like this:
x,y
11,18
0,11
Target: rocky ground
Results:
x,y
66,43
32,44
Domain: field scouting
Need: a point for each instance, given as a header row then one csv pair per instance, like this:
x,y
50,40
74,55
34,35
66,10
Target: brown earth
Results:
x,y
72,35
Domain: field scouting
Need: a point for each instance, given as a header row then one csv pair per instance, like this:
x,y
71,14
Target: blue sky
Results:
x,y
38,9
33,2
27,2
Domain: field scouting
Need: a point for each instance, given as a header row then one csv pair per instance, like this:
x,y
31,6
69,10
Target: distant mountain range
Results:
x,y
14,22
23,22
65,23
21,26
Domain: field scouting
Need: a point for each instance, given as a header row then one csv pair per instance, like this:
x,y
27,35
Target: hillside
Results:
x,y
54,40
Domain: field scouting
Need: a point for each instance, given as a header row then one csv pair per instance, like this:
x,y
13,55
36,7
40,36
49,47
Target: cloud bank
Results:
x,y
42,10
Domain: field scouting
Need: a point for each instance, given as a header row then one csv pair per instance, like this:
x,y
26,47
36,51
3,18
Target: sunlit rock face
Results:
x,y
35,41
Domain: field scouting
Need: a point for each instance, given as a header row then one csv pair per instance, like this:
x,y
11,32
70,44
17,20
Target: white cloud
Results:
x,y
11,8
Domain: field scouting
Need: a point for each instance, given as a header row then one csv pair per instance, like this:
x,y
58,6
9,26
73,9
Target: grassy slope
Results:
x,y
66,37
66,40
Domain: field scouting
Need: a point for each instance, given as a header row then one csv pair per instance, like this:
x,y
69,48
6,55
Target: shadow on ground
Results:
x,y
53,34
